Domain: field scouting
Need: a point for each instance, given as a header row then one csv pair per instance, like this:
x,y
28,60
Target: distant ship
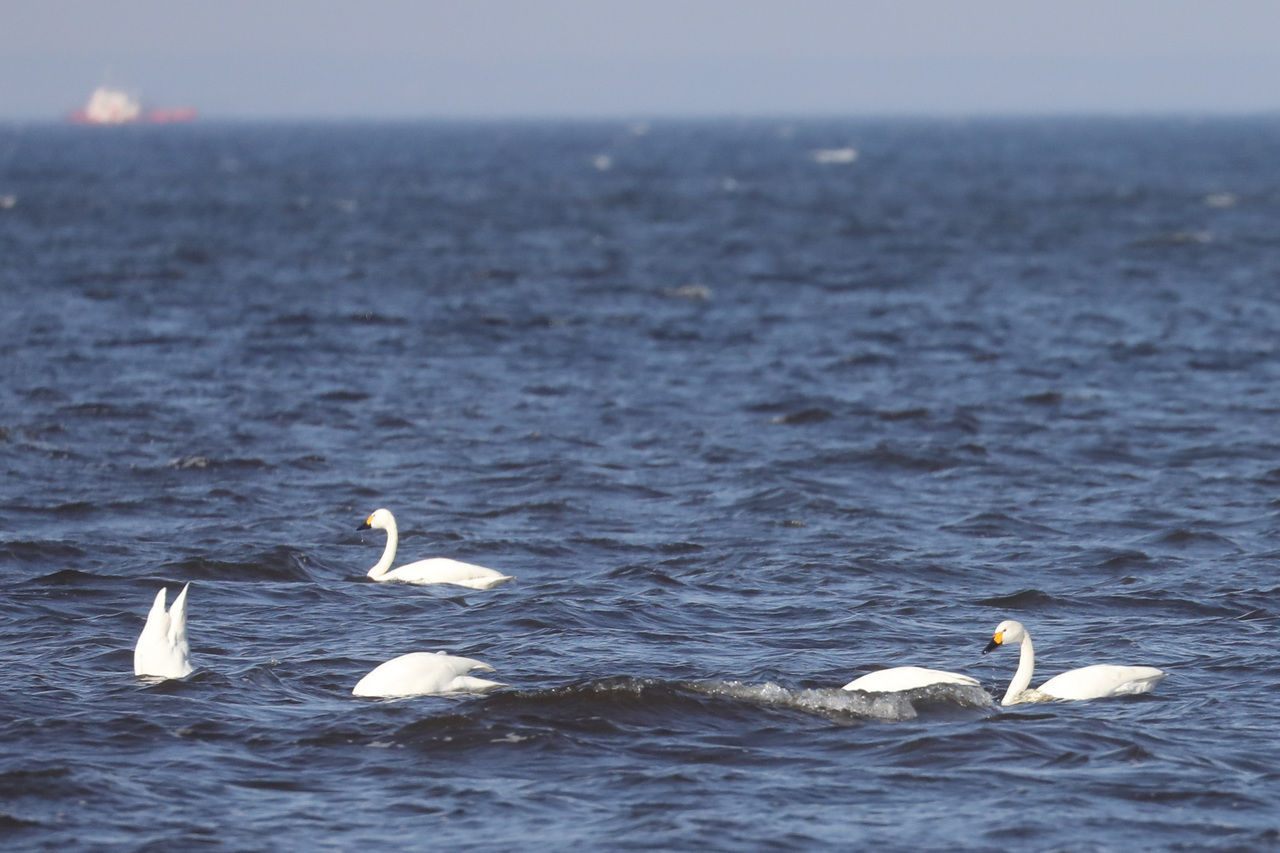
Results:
x,y
112,106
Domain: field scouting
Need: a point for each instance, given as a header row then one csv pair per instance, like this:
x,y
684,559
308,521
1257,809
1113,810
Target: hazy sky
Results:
x,y
636,58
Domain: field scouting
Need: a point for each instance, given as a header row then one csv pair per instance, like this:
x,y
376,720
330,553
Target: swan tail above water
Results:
x,y
162,650
178,619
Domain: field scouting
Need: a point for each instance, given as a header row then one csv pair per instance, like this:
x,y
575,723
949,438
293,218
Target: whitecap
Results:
x,y
838,704
831,156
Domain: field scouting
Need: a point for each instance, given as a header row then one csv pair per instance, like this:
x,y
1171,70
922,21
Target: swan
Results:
x,y
162,650
898,678
431,570
1089,682
424,674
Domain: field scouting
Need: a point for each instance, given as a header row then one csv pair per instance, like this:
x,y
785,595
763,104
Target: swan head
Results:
x,y
1007,631
381,519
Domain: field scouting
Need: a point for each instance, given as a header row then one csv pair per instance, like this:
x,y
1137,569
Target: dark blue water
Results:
x,y
743,424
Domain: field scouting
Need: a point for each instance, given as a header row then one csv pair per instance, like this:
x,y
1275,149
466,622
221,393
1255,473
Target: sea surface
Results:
x,y
749,408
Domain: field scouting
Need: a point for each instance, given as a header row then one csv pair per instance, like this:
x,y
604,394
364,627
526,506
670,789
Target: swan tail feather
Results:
x,y
157,605
178,618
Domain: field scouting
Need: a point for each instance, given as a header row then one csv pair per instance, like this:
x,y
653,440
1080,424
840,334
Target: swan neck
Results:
x,y
388,553
1021,678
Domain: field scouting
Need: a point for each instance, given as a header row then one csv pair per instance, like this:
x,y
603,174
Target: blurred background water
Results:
x,y
749,409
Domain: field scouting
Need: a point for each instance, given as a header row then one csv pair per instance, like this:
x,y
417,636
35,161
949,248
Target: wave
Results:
x,y
28,551
1023,600
623,703
890,415
344,395
848,705
1118,559
68,578
997,525
102,410
889,455
279,563
8,821
814,415
143,341
533,508
197,462
1183,538
372,318
48,778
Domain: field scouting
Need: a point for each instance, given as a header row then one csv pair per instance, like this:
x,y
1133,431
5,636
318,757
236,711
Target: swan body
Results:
x,y
429,571
898,678
425,674
162,650
1089,682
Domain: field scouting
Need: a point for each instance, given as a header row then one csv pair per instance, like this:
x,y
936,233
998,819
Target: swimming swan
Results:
x,y
898,678
1089,682
424,674
432,570
162,649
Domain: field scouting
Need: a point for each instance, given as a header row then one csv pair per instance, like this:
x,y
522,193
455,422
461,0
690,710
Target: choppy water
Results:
x,y
744,424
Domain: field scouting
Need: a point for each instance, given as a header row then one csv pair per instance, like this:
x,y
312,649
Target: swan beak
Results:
x,y
365,526
996,640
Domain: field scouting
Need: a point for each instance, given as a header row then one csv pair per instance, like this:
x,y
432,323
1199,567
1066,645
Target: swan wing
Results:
x,y
446,570
899,678
1102,680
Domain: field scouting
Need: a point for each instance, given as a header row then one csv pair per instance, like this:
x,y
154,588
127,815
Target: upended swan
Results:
x,y
424,674
431,570
162,650
1089,682
898,678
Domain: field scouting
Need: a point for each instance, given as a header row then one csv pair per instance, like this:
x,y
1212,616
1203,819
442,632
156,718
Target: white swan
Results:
x,y
162,649
431,570
898,678
1089,682
423,674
